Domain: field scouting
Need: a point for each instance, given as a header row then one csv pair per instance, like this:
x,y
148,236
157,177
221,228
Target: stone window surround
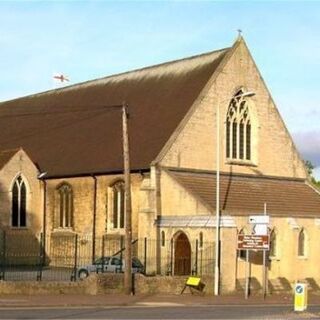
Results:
x,y
57,224
253,161
28,199
110,209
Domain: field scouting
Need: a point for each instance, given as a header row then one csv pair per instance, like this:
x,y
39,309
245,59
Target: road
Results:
x,y
144,311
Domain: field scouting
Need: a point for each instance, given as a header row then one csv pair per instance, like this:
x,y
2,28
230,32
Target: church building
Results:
x,y
61,167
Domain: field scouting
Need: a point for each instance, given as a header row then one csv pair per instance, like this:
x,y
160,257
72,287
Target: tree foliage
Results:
x,y
310,168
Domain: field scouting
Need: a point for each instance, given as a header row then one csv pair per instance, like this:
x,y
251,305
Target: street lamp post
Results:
x,y
42,176
217,235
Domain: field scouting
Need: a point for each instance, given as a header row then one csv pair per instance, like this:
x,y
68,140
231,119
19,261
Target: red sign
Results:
x,y
253,242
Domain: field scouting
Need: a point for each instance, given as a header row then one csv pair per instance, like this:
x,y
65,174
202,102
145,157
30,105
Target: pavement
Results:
x,y
152,300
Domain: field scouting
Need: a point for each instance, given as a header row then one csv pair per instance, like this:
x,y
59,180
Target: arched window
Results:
x,y
200,240
242,254
19,203
302,243
238,129
163,239
118,205
65,217
273,244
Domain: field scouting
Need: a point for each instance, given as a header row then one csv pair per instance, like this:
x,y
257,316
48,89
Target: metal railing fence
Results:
x,y
60,256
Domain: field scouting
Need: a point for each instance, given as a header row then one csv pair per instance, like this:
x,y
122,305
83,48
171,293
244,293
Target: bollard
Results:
x,y
300,296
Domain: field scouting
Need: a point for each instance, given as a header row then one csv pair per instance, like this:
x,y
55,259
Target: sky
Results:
x,y
91,39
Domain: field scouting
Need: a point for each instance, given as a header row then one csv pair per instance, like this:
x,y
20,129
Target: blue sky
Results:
x,y
90,39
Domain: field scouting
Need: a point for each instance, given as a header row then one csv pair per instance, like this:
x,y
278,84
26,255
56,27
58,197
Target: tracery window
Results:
x,y
118,205
302,243
19,203
65,206
238,129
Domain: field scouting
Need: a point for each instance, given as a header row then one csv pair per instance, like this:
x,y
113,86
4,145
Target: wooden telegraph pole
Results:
x,y
128,217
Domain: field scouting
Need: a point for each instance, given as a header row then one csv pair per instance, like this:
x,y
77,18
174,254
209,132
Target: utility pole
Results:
x,y
128,213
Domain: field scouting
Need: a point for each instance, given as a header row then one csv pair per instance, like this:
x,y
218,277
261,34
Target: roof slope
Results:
x,y
6,155
66,132
243,195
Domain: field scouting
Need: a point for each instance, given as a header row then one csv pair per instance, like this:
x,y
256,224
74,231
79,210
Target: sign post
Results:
x,y
247,275
264,269
258,240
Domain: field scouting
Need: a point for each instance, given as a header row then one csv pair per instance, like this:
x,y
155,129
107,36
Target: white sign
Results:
x,y
259,219
260,229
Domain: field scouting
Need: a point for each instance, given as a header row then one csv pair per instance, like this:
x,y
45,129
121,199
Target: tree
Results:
x,y
310,168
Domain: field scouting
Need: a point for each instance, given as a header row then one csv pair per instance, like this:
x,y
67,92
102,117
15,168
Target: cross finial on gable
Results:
x,y
239,34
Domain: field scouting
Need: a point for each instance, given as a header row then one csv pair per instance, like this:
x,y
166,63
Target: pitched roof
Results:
x,y
244,195
6,155
67,132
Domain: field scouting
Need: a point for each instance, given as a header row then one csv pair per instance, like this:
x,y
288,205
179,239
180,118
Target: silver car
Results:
x,y
109,264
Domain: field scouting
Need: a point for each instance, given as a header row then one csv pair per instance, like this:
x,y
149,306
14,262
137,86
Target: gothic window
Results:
x,y
200,240
302,243
242,254
163,239
118,205
65,217
19,203
238,129
273,244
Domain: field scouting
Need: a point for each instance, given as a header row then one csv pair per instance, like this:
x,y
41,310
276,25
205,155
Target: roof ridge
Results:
x,y
93,81
240,175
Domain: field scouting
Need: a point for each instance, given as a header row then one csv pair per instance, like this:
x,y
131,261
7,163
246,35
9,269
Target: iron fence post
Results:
x,y
171,257
3,263
40,261
121,252
75,258
196,258
145,256
102,253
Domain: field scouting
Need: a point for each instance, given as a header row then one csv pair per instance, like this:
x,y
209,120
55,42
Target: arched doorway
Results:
x,y
182,255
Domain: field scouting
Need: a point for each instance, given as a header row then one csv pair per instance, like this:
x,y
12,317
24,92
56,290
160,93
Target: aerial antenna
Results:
x,y
239,33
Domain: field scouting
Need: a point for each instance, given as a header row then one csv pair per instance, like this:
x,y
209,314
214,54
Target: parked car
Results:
x,y
109,264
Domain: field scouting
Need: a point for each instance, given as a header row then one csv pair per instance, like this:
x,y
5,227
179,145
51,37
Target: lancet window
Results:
x,y
65,206
118,205
19,203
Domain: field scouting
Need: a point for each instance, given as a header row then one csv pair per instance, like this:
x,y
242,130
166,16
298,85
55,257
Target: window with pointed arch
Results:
x,y
19,203
273,251
242,254
163,239
65,215
201,240
118,205
238,129
302,243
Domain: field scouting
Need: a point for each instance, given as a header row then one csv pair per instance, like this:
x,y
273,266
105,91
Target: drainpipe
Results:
x,y
94,218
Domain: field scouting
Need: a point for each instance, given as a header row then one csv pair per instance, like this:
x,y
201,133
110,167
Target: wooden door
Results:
x,y
182,255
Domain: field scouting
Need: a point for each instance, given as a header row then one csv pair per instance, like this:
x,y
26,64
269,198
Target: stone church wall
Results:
x,y
273,149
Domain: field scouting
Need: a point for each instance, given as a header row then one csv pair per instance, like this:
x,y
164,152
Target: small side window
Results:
x,y
200,240
163,239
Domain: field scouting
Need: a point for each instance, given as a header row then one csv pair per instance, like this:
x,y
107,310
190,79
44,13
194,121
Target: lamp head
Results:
x,y
41,175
